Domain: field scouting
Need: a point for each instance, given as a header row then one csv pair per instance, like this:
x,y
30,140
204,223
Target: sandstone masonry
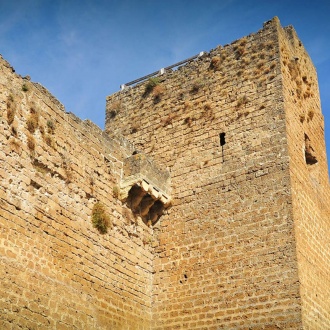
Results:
x,y
215,179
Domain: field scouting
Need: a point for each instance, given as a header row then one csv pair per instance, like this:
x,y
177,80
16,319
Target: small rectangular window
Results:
x,y
222,139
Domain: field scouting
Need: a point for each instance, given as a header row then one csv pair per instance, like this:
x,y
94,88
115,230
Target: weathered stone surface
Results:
x,y
57,271
245,242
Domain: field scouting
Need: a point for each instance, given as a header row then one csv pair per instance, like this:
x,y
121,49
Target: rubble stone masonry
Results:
x,y
57,271
245,244
214,177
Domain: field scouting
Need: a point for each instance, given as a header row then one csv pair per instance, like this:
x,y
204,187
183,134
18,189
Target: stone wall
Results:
x,y
245,243
57,271
309,180
228,253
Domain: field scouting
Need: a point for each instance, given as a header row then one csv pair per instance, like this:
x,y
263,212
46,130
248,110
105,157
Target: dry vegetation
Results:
x,y
100,218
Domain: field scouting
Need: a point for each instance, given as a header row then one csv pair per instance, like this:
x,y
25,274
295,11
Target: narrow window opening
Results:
x,y
222,143
222,139
310,156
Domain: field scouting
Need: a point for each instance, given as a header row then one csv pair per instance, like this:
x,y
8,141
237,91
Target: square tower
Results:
x,y
246,241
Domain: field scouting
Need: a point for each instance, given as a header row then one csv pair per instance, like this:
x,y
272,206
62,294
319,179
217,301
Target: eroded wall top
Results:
x,y
73,256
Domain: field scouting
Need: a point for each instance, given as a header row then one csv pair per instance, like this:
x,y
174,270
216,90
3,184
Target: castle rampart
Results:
x,y
215,179
57,271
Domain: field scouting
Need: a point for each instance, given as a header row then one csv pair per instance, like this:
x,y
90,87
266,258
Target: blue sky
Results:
x,y
83,50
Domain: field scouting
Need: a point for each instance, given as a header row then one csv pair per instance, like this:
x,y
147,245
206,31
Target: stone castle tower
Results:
x,y
213,175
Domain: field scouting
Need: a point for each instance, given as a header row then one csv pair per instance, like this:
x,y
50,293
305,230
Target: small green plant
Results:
x,y
100,218
50,126
151,84
25,87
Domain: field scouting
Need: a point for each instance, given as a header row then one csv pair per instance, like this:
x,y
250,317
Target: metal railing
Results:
x,y
161,71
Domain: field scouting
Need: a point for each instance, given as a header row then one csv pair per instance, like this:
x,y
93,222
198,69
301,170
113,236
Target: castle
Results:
x,y
203,205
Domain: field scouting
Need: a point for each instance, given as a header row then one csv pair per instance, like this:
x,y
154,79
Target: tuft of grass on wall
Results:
x,y
31,142
215,63
11,109
115,109
31,125
50,127
100,218
150,85
49,141
10,115
25,87
157,93
32,122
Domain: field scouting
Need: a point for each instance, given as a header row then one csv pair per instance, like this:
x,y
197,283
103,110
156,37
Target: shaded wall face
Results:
x,y
309,177
56,269
226,252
